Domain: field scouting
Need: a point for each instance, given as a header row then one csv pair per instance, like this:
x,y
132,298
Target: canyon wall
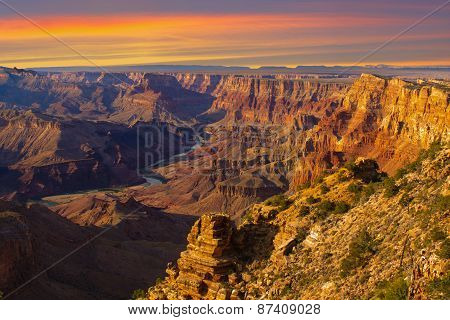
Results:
x,y
290,132
263,100
283,132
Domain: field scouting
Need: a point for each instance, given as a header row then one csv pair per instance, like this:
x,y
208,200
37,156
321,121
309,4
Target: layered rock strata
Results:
x,y
206,268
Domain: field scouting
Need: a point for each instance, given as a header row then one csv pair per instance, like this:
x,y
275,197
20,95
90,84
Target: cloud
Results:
x,y
243,39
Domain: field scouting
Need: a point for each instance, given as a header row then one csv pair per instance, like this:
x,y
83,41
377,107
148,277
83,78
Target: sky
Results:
x,y
250,33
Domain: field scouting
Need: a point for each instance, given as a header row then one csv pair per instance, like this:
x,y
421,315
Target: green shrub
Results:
x,y
341,207
312,200
324,188
366,171
279,201
405,200
441,203
138,294
437,234
350,166
444,252
390,188
400,173
324,208
302,233
361,249
395,289
304,186
424,216
433,150
304,210
439,288
370,189
326,205
354,188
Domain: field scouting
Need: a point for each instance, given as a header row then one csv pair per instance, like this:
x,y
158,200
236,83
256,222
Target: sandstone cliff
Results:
x,y
306,128
250,99
349,236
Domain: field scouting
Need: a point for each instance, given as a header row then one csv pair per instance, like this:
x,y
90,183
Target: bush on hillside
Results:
x,y
437,234
405,200
341,207
441,203
304,210
444,252
138,294
324,209
361,249
312,200
354,188
324,188
302,233
370,189
390,188
439,288
394,289
279,201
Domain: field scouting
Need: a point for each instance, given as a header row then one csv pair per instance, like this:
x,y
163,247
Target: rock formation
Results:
x,y
206,269
250,99
354,239
304,129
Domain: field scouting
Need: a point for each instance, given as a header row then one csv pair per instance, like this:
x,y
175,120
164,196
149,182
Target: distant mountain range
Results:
x,y
435,72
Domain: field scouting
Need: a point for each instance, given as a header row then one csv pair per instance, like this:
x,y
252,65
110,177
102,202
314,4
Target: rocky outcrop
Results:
x,y
161,97
250,186
390,120
343,237
206,268
265,100
203,83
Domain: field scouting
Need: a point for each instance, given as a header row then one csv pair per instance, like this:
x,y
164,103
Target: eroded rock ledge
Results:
x,y
206,270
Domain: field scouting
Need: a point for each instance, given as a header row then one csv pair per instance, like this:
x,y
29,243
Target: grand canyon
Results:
x,y
264,185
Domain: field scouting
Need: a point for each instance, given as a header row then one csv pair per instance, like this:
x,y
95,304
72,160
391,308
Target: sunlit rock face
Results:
x,y
207,268
276,134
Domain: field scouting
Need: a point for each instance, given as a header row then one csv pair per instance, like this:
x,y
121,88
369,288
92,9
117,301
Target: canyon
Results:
x,y
358,239
225,143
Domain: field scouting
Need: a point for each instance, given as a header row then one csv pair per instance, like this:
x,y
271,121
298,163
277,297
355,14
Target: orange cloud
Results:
x,y
139,39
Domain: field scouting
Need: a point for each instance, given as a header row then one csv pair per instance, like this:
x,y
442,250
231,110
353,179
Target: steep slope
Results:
x,y
43,155
345,237
133,253
264,100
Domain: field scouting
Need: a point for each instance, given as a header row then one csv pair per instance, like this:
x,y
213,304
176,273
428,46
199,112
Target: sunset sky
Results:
x,y
228,32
